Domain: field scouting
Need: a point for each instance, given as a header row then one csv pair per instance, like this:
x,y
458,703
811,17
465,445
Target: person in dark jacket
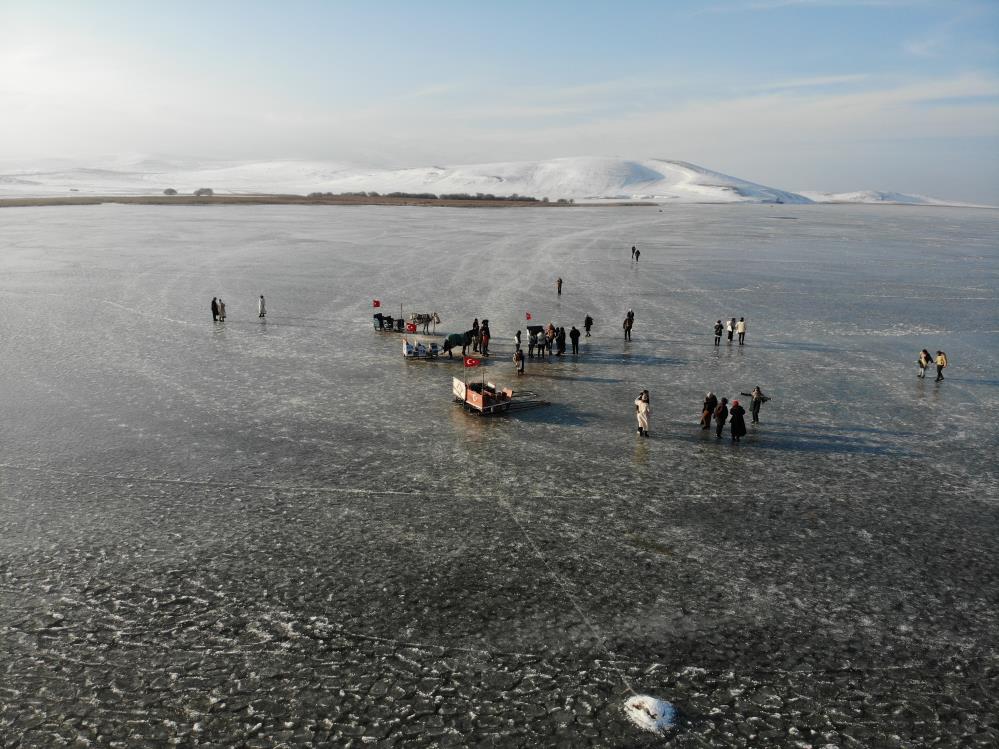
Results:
x,y
737,423
475,335
587,324
215,309
730,328
721,416
758,399
558,286
638,254
484,338
708,409
719,329
560,341
574,337
633,250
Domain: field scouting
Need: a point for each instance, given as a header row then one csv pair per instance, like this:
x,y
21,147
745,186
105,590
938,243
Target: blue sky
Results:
x,y
801,94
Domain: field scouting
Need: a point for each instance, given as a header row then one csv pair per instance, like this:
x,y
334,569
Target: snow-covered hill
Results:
x,y
584,179
874,196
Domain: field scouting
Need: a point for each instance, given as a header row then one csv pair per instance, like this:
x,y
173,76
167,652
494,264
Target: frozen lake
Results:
x,y
281,533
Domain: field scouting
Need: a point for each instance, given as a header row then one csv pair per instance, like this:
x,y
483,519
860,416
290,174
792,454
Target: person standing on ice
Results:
x,y
740,328
923,361
475,335
574,337
721,416
587,324
629,323
758,399
484,338
730,329
633,251
941,365
516,341
558,286
221,310
518,360
738,421
215,309
708,409
643,410
261,308
719,328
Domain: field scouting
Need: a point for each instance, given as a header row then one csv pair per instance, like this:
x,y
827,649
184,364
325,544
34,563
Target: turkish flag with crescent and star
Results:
x,y
528,315
375,303
471,362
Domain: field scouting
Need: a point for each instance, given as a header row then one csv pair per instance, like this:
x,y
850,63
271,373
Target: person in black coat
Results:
x,y
560,341
708,409
721,416
587,324
737,422
574,337
215,309
758,399
719,329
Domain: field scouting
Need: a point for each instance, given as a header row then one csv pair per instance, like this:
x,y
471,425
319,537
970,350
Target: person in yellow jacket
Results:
x,y
941,364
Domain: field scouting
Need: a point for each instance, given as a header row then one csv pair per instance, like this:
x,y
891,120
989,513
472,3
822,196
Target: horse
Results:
x,y
424,319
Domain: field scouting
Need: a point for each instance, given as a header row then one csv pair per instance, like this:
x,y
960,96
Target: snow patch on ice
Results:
x,y
650,714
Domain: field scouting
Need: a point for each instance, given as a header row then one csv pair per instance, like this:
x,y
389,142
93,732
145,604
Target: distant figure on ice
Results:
x,y
261,307
638,254
215,309
475,335
730,329
484,338
721,416
221,310
719,329
560,341
643,410
633,251
516,341
558,286
587,324
629,323
941,365
758,400
574,337
740,328
738,422
923,362
532,342
708,409
518,361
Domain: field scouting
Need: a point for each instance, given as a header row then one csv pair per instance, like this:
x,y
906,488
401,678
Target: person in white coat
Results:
x,y
261,307
643,410
740,328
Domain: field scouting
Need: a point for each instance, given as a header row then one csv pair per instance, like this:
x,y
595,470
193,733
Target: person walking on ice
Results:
x,y
638,254
221,310
629,321
721,416
740,328
719,329
518,360
633,251
643,410
941,365
737,424
215,309
923,361
587,324
574,338
758,399
730,329
261,308
558,286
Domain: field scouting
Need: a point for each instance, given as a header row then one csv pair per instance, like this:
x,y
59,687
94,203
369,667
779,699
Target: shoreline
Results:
x,y
275,199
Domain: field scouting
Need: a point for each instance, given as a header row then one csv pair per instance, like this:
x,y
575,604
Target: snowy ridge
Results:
x,y
584,179
878,196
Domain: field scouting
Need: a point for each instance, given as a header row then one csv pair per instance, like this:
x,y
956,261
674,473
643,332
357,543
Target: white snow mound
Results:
x,y
650,714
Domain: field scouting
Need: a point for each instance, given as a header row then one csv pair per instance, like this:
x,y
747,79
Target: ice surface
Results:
x,y
207,527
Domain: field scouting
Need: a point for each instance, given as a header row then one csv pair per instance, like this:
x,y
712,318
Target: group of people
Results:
x,y
926,360
480,337
635,253
712,408
218,309
546,340
732,327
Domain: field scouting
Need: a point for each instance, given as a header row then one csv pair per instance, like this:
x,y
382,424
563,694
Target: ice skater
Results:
x,y
587,324
721,416
730,329
719,329
758,399
737,423
558,286
708,409
215,309
740,328
574,338
923,362
643,410
941,365
261,308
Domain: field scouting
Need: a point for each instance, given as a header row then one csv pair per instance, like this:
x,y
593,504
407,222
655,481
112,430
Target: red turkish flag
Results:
x,y
472,362
528,315
376,303
411,327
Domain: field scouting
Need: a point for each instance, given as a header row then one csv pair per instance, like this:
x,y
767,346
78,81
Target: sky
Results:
x,y
830,95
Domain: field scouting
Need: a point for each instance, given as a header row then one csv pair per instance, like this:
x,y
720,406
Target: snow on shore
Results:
x,y
584,179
